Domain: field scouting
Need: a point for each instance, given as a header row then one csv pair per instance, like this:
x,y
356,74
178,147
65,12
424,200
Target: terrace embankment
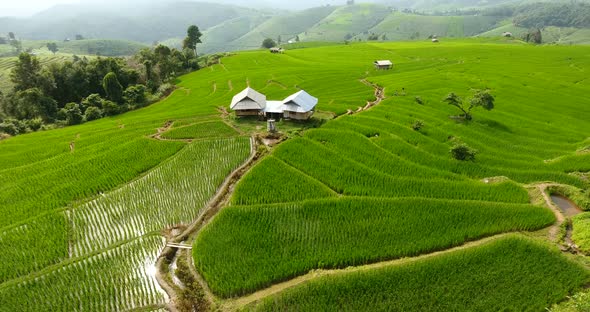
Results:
x,y
170,253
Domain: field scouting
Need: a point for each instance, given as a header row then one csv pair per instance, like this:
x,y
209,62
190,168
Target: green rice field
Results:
x,y
85,207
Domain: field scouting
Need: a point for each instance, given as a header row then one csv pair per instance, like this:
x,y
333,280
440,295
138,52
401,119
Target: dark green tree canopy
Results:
x,y
193,36
27,72
52,46
268,43
112,87
481,98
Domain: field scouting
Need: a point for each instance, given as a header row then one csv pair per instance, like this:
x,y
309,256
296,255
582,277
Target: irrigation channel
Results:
x,y
168,258
568,208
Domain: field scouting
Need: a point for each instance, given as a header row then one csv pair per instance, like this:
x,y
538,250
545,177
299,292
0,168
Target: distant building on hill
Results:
x,y
383,64
276,50
249,102
434,40
506,34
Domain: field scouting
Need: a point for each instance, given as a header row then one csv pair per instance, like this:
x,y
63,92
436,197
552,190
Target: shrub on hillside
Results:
x,y
463,152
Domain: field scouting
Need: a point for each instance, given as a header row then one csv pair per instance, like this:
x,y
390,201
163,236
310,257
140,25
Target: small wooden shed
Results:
x,y
383,64
249,102
299,106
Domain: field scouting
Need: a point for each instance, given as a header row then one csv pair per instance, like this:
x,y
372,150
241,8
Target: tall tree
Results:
x,y
31,103
112,87
52,46
27,72
11,36
193,36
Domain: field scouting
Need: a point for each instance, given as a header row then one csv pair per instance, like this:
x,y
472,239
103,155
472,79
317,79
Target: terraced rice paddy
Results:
x,y
358,190
512,273
390,173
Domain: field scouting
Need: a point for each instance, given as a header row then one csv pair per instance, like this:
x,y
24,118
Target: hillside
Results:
x,y
146,24
88,210
403,26
286,26
346,20
229,28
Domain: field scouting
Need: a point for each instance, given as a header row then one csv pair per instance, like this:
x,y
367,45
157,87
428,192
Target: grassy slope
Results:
x,y
287,26
401,26
346,20
551,34
500,276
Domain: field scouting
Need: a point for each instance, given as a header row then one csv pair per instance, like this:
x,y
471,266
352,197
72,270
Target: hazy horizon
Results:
x,y
28,8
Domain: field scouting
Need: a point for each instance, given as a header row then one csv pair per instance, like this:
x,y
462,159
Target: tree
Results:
x,y
534,36
481,98
297,38
92,113
52,46
463,152
11,36
110,108
268,43
79,37
31,103
112,87
93,100
193,36
135,95
72,114
27,72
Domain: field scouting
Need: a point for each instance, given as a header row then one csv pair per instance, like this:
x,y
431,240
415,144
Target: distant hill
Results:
x,y
147,24
229,27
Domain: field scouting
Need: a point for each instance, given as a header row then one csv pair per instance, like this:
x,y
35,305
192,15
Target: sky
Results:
x,y
28,7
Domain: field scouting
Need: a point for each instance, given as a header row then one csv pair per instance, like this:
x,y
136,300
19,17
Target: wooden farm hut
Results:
x,y
276,50
434,40
383,64
299,106
248,103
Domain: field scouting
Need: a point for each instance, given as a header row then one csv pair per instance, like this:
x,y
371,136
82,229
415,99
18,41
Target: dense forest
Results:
x,y
72,92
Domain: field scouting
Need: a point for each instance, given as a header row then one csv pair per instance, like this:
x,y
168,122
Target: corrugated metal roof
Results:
x,y
384,63
274,107
248,99
300,102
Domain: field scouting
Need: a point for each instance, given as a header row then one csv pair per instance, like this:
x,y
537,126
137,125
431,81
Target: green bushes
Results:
x,y
509,274
249,247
